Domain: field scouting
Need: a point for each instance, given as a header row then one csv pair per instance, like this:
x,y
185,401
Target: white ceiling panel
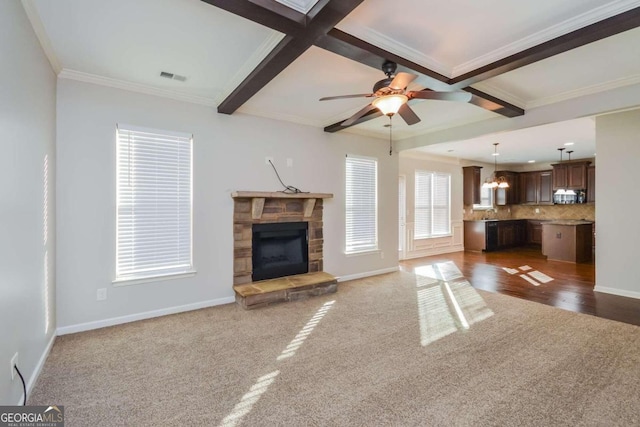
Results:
x,y
135,40
456,36
605,64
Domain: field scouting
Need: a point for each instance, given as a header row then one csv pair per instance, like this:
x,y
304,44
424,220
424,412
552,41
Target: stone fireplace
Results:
x,y
254,210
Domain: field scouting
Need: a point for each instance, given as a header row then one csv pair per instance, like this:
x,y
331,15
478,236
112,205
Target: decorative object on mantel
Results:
x,y
495,181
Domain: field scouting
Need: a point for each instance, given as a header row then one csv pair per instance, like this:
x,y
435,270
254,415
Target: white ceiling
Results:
x,y
127,44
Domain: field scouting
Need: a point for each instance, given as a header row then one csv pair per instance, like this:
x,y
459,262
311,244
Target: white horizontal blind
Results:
x,y
361,204
154,204
432,204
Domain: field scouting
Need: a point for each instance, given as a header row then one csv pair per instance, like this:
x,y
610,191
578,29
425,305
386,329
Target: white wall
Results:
x,y
409,163
229,154
27,121
617,225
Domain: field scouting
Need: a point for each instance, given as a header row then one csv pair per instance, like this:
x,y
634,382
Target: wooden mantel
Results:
x,y
258,198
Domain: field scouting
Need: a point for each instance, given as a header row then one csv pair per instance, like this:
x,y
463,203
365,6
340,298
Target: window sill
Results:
x,y
141,280
432,237
360,253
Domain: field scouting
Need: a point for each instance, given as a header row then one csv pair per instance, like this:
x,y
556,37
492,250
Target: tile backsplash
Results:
x,y
575,211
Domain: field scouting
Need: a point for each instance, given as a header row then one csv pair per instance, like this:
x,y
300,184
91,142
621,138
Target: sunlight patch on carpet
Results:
x,y
446,304
262,384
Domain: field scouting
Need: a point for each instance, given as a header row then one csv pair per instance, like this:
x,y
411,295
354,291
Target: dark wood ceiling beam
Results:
x,y
581,37
491,103
287,51
373,114
358,50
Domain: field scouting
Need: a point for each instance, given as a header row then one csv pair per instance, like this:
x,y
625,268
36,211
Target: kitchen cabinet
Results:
x,y
570,175
591,184
508,196
494,234
534,232
471,185
567,240
536,188
511,233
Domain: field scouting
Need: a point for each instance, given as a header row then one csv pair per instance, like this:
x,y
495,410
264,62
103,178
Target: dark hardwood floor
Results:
x,y
570,289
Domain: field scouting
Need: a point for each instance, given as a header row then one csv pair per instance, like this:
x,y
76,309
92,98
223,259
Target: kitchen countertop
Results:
x,y
570,222
544,221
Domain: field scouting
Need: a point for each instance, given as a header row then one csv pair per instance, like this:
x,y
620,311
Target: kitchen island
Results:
x,y
567,240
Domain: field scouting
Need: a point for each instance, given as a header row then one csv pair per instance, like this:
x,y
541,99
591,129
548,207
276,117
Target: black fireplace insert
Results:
x,y
280,249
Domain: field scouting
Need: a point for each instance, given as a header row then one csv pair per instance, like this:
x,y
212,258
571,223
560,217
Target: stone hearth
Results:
x,y
253,207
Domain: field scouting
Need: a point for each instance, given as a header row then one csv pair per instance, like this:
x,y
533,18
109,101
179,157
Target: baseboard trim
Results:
x,y
367,274
429,252
31,381
81,327
615,291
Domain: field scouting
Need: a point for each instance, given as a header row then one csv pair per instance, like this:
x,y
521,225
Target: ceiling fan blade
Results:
x,y
359,95
408,114
351,120
441,96
402,80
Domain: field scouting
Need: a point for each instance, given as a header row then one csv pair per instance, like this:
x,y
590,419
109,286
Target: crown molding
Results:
x,y
387,43
278,116
493,90
595,15
588,90
134,87
302,6
250,64
41,34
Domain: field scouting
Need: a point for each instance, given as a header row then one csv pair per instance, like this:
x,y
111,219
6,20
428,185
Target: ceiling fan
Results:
x,y
391,96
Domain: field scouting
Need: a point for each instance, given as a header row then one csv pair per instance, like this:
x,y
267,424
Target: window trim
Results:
x,y
153,277
376,247
449,233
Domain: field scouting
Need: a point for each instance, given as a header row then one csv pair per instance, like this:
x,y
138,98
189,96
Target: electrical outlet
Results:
x,y
381,255
14,362
102,294
267,160
537,210
289,162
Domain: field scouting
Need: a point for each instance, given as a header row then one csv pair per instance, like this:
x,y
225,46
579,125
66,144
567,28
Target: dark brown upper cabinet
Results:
x,y
570,175
511,195
471,185
536,188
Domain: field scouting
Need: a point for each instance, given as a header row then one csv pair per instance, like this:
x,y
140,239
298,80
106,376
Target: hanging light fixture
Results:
x,y
390,104
495,181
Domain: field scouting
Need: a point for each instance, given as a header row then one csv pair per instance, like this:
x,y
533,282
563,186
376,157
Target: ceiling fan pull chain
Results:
x,y
390,139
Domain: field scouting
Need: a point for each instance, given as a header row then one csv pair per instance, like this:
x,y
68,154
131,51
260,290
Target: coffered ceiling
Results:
x,y
528,64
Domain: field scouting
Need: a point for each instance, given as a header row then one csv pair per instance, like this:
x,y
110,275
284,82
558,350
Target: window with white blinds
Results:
x,y
361,204
154,227
432,205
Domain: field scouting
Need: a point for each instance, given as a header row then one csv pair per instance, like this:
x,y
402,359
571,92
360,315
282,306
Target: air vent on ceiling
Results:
x,y
172,76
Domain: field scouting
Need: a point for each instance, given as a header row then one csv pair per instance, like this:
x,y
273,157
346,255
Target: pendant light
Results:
x,y
495,181
562,191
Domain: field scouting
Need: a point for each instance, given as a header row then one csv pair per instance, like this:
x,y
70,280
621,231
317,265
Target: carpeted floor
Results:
x,y
393,350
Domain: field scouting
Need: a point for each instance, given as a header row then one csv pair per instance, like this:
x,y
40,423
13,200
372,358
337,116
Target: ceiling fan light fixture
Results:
x,y
390,104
